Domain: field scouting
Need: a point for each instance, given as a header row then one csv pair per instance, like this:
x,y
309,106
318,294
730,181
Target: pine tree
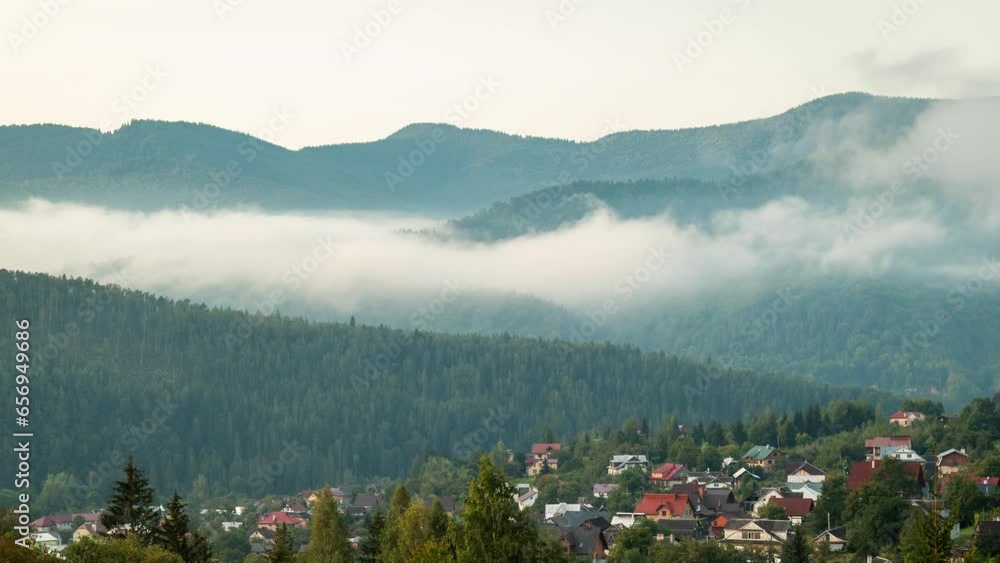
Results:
x,y
328,533
796,548
131,506
369,549
926,539
439,520
175,536
283,550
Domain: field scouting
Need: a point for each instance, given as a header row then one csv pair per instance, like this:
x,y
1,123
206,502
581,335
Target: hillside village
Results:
x,y
715,486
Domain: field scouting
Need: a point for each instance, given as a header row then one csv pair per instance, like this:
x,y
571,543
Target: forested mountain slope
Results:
x,y
151,165
206,391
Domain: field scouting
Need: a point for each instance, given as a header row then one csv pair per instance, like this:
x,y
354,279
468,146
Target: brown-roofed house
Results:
x,y
796,508
864,471
873,446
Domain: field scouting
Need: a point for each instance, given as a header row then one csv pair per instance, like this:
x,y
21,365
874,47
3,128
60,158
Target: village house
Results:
x,y
718,526
668,474
744,475
561,508
835,537
952,461
797,509
272,520
602,490
673,530
626,519
711,479
657,506
708,502
580,542
756,534
525,495
62,522
902,453
757,501
261,535
295,508
46,540
337,493
810,491
620,463
905,418
803,472
987,485
542,456
762,456
873,446
92,530
864,471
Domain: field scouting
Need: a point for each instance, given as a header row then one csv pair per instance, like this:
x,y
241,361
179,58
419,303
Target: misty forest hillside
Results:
x,y
870,332
238,389
789,192
152,165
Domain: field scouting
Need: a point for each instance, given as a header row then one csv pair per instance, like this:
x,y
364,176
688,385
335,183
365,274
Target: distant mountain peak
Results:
x,y
420,131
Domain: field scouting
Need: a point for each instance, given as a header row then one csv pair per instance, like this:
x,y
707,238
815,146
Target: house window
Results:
x,y
751,535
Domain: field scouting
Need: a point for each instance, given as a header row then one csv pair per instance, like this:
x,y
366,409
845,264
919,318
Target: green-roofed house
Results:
x,y
763,456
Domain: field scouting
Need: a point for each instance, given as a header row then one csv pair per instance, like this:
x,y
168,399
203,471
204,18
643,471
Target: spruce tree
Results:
x,y
131,506
328,533
392,533
796,548
283,550
369,549
927,538
175,536
439,520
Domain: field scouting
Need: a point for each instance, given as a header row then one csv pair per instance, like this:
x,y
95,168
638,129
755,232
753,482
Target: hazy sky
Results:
x,y
540,67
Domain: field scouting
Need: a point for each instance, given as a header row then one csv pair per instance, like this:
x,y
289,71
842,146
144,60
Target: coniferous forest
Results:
x,y
255,404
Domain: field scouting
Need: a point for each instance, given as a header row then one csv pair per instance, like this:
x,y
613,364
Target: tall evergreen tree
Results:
x,y
494,528
283,550
392,534
439,520
327,533
369,549
131,506
796,548
927,538
175,535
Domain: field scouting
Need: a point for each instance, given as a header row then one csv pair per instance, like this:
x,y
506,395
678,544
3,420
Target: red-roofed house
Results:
x,y
541,455
659,506
796,508
863,472
538,450
272,520
873,446
56,522
718,525
905,418
669,474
